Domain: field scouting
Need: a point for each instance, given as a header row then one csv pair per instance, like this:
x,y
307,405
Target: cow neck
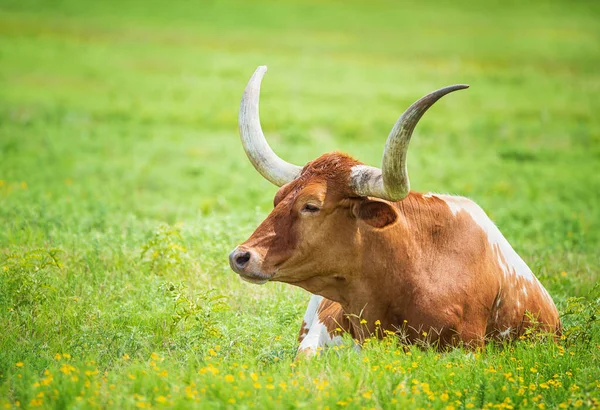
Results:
x,y
383,291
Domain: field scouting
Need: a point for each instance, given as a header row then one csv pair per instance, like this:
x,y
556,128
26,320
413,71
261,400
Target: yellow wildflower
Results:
x,y
47,380
67,368
35,403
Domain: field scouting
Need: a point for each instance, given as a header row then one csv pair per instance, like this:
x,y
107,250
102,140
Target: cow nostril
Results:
x,y
242,259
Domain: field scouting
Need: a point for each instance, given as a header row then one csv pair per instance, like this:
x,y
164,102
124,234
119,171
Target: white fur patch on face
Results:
x,y
510,262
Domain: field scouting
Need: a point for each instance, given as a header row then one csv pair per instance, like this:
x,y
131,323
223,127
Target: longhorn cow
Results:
x,y
378,257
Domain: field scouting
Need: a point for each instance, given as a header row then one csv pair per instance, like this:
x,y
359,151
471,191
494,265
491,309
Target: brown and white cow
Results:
x,y
378,257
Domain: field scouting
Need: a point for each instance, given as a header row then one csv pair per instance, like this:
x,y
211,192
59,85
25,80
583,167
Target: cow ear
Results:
x,y
378,214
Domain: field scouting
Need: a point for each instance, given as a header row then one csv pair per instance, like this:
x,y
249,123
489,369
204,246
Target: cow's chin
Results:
x,y
255,278
255,281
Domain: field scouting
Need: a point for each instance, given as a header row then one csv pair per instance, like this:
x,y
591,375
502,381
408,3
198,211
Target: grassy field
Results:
x,y
123,187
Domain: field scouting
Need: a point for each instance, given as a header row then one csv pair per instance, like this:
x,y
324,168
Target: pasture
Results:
x,y
123,188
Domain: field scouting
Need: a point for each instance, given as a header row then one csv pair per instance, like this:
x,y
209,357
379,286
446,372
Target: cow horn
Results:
x,y
391,182
260,154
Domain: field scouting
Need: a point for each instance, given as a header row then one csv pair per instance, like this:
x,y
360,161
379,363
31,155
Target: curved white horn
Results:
x,y
260,154
391,181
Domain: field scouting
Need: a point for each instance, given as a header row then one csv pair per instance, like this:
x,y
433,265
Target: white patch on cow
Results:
x,y
505,333
311,310
524,290
317,336
508,259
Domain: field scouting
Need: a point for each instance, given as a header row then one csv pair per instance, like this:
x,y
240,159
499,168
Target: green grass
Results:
x,y
123,187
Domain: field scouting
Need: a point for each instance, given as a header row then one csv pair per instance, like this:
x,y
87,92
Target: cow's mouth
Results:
x,y
257,279
247,264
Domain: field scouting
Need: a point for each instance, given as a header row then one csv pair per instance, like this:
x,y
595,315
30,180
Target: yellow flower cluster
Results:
x,y
514,384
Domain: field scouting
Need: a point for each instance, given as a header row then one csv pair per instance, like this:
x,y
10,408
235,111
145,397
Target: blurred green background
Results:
x,y
120,158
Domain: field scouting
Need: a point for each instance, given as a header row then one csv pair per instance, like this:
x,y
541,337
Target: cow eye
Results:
x,y
310,208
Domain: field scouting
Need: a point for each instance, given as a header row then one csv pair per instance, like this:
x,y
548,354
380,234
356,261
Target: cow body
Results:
x,y
451,299
432,266
382,259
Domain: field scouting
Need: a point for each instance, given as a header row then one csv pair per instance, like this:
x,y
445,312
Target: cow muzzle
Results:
x,y
247,263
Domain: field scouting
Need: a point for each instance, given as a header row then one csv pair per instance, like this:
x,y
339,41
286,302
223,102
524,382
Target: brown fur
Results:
x,y
413,265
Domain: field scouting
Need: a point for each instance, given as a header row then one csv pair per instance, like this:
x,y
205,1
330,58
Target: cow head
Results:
x,y
322,210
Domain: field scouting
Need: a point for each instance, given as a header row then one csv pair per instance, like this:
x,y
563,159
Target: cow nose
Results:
x,y
239,259
242,259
